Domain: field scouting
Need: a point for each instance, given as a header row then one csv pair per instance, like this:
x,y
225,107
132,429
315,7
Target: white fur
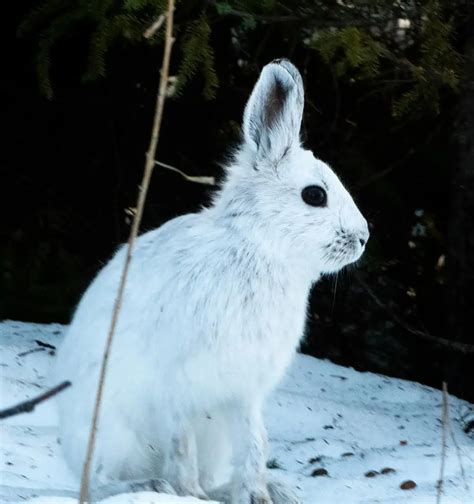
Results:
x,y
213,312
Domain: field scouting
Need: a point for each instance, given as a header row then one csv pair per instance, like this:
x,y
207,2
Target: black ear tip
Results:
x,y
288,66
283,62
279,61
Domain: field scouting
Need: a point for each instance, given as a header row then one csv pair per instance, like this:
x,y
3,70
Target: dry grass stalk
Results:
x,y
154,27
149,165
29,405
444,427
198,179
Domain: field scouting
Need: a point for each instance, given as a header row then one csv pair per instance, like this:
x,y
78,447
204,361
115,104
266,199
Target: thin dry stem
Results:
x,y
444,425
198,179
456,346
154,27
29,406
459,455
143,189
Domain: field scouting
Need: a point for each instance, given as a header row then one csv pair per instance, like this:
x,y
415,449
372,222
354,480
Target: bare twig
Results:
x,y
198,179
33,350
29,406
457,346
383,173
44,344
154,27
149,165
458,453
309,19
42,348
444,426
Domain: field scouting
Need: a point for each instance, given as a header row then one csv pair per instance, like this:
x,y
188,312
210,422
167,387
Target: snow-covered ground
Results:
x,y
337,435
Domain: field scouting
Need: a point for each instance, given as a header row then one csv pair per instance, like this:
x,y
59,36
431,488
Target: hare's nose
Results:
x,y
364,236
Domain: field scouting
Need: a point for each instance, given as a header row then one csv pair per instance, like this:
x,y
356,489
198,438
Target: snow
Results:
x,y
323,416
138,498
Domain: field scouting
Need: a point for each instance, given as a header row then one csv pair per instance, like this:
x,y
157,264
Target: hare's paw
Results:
x,y
180,454
260,499
183,477
158,485
103,491
225,495
281,493
193,490
244,495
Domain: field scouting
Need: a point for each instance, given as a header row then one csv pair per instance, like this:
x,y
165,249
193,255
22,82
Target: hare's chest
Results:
x,y
264,339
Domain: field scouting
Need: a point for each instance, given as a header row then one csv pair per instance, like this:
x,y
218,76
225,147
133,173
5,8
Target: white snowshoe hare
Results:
x,y
213,312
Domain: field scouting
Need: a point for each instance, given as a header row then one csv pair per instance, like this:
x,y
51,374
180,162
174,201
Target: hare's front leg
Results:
x,y
180,458
249,485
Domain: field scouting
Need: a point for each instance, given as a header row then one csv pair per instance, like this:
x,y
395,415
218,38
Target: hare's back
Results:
x,y
155,263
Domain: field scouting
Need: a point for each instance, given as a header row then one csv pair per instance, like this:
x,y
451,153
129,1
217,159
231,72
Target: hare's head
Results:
x,y
280,191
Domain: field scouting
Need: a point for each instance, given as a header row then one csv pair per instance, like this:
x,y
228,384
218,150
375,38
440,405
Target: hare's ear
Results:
x,y
272,117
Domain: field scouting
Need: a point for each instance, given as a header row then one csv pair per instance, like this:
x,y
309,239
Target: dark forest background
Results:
x,y
390,105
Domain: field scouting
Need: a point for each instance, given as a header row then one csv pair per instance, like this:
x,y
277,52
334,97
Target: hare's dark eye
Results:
x,y
314,195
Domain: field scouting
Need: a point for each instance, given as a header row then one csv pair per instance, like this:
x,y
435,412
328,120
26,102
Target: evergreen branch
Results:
x,y
40,15
198,55
57,29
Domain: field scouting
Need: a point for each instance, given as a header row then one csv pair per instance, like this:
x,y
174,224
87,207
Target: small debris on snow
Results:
x,y
47,345
371,474
320,472
273,464
387,470
408,485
